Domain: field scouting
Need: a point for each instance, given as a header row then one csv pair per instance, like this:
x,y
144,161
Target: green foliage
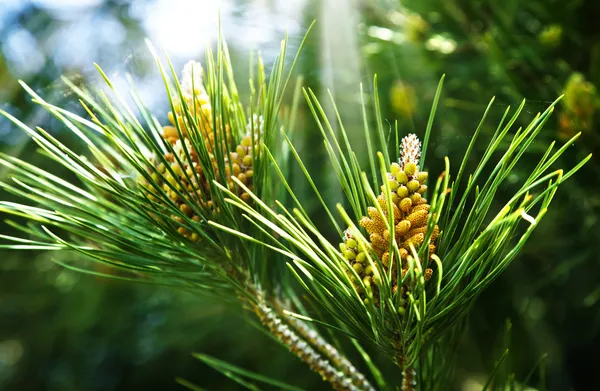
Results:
x,y
121,214
474,246
175,213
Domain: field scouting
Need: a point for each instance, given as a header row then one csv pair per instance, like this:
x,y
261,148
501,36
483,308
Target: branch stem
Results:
x,y
409,379
299,347
326,349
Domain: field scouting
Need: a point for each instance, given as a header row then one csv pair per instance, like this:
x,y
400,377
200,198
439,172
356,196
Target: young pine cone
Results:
x,y
197,101
410,216
185,183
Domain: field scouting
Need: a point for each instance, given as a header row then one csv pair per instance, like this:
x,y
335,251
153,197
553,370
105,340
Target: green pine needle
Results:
x,y
472,249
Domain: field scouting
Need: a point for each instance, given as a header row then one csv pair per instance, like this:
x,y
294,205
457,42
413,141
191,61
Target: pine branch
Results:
x,y
409,379
408,269
306,353
191,204
330,352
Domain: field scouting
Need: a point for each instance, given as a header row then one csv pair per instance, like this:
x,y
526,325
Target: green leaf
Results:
x,y
239,375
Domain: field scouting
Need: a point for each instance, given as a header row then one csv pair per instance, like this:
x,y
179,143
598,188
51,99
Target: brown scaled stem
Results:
x,y
303,350
409,379
409,376
325,348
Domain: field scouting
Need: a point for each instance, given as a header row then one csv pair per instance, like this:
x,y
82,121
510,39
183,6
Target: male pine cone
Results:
x,y
186,183
411,213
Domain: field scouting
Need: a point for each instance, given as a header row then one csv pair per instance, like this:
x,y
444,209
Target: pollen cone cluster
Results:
x,y
410,214
183,179
197,103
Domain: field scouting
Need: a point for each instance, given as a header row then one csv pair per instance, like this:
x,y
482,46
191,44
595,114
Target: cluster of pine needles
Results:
x,y
202,202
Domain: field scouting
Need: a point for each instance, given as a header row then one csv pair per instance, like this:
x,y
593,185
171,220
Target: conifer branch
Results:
x,y
305,352
327,350
190,204
412,268
409,379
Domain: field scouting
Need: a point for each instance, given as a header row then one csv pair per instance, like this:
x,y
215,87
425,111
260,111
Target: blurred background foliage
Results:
x,y
60,330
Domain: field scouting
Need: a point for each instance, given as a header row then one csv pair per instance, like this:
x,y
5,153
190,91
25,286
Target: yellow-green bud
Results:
x,y
416,198
241,151
422,176
176,169
351,243
402,192
401,177
410,168
358,268
413,185
247,141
